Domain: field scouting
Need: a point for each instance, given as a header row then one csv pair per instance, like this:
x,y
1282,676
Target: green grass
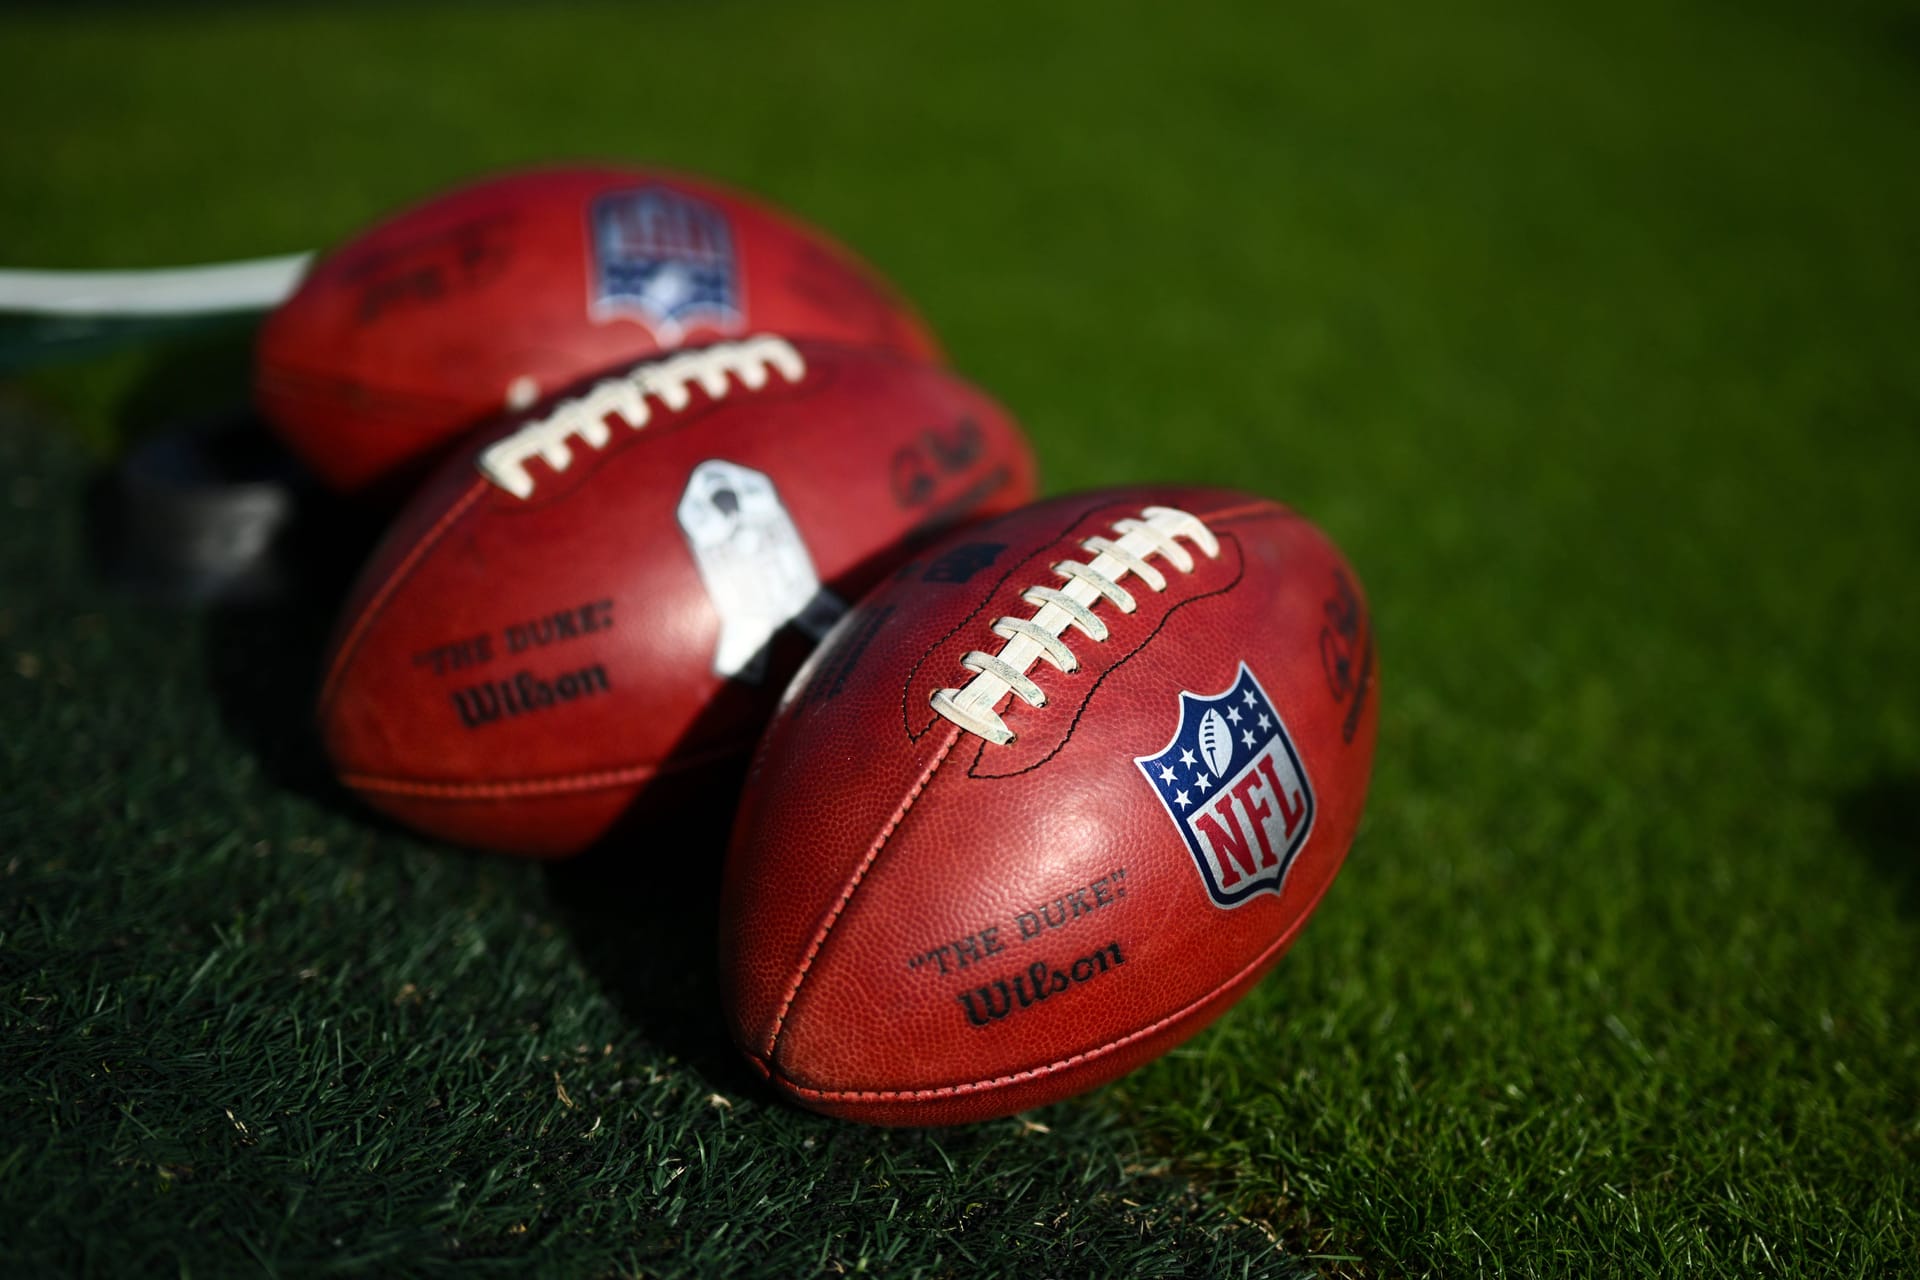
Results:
x,y
1590,336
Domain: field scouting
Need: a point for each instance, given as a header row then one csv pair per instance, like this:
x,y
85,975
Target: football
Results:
x,y
495,296
1046,803
592,610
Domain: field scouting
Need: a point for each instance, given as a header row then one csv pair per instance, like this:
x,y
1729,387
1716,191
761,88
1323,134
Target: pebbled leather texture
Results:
x,y
580,618
922,927
414,332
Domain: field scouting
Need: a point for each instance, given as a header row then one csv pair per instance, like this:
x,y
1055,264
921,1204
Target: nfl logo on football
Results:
x,y
1234,786
666,259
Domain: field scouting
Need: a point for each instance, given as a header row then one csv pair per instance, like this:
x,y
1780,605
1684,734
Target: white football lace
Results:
x,y
670,381
1029,640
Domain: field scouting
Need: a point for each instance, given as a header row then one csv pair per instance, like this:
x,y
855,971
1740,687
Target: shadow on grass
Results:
x,y
1882,819
642,907
264,649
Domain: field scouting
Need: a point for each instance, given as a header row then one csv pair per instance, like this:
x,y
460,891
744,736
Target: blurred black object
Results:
x,y
203,512
211,509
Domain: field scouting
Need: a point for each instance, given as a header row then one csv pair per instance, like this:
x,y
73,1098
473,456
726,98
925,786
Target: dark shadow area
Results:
x,y
642,907
263,667
268,624
1882,819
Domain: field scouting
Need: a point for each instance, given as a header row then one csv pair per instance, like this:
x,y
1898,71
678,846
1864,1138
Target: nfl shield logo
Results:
x,y
666,259
1234,786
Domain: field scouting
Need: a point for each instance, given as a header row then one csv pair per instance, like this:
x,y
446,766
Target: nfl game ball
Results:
x,y
500,294
1046,803
594,608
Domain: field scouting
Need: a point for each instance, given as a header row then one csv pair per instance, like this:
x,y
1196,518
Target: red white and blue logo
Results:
x,y
665,258
1233,784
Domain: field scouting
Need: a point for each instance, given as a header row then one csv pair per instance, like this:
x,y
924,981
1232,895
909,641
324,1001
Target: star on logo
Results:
x,y
1265,722
1182,800
1248,698
1246,736
1200,781
1166,773
1186,757
1233,714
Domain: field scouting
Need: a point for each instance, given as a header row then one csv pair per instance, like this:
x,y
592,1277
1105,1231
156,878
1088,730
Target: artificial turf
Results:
x,y
1591,335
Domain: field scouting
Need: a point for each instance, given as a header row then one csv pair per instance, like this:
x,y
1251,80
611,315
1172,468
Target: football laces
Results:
x,y
1157,532
585,421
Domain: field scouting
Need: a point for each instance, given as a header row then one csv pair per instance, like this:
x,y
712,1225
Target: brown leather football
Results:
x,y
504,292
1046,803
598,603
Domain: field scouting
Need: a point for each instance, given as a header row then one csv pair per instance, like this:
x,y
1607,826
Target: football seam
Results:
x,y
846,894
1240,574
1258,508
906,690
1279,944
351,645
